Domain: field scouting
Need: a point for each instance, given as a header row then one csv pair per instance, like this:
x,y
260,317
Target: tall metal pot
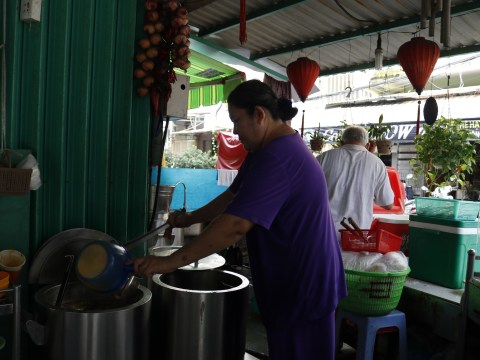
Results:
x,y
199,315
90,325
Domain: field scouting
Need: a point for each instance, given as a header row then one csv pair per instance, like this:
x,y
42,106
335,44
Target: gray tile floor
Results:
x,y
256,338
257,348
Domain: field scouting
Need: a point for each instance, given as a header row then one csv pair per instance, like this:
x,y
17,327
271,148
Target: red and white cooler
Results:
x,y
396,224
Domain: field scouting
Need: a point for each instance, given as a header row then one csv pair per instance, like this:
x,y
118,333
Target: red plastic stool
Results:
x,y
367,327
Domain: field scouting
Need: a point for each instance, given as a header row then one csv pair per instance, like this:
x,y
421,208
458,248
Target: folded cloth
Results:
x,y
225,177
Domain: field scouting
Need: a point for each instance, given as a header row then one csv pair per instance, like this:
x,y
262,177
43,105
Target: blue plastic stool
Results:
x,y
367,327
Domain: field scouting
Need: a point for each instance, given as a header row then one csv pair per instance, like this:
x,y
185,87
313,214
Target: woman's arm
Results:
x,y
204,214
223,231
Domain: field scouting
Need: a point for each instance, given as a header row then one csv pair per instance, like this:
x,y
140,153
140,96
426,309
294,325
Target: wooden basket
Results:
x,y
13,181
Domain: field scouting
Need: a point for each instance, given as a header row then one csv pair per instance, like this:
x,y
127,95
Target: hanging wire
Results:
x,y
448,97
319,78
350,15
4,79
449,73
370,48
349,88
349,51
385,77
310,53
388,45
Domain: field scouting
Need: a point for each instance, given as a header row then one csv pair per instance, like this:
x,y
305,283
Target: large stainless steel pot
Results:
x,y
199,315
86,325
92,326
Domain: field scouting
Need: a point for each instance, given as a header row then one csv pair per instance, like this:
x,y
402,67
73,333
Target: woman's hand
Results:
x,y
180,219
151,265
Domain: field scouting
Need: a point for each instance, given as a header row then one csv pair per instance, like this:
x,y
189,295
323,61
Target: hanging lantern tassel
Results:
x,y
303,123
418,118
243,22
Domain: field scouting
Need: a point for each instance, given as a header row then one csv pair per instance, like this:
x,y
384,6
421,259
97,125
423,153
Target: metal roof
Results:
x,y
207,71
339,34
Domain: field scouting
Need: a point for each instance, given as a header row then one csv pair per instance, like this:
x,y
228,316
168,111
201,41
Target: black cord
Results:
x,y
353,17
159,170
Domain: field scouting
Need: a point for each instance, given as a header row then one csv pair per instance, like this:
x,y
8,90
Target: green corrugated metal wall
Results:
x,y
70,100
205,96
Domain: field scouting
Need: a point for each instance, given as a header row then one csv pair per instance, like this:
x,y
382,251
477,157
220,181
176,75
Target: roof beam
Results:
x,y
456,11
211,49
269,10
390,62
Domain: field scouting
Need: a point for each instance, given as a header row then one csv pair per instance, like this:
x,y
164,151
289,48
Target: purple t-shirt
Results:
x,y
295,259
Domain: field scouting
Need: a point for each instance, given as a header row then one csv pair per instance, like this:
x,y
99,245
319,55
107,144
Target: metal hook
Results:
x,y
349,92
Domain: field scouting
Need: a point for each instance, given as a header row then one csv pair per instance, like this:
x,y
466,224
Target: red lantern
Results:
x,y
418,58
302,73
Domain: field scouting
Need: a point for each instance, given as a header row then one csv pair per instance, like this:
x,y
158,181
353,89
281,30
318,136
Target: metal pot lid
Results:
x,y
207,263
49,264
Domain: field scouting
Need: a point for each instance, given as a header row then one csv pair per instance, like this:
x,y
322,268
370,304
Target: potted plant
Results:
x,y
337,139
317,139
377,133
445,154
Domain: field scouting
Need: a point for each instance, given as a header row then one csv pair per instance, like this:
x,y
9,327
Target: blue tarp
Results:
x,y
201,186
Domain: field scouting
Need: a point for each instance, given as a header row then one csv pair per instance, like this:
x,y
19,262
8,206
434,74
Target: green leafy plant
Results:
x,y
379,130
316,134
191,158
445,153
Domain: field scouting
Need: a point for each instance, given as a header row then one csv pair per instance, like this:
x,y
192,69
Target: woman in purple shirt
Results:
x,y
279,201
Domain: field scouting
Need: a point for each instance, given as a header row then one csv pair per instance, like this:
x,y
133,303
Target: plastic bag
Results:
x,y
393,261
29,162
359,261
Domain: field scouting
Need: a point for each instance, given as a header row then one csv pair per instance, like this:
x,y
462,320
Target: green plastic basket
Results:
x,y
373,293
447,208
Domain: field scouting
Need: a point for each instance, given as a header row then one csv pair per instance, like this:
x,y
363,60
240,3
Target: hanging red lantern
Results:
x,y
418,58
302,74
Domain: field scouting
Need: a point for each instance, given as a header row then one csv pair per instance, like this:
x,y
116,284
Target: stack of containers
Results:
x,y
440,236
396,224
372,293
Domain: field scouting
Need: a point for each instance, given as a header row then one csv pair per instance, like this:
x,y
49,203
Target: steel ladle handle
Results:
x,y
141,239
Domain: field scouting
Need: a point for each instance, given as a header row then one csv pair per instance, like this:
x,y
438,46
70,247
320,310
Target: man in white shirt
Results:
x,y
355,179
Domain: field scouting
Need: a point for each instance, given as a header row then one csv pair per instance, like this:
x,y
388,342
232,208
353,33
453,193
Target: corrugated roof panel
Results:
x,y
204,69
301,23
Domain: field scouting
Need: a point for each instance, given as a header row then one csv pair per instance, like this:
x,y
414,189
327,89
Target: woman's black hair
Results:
x,y
253,93
286,109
